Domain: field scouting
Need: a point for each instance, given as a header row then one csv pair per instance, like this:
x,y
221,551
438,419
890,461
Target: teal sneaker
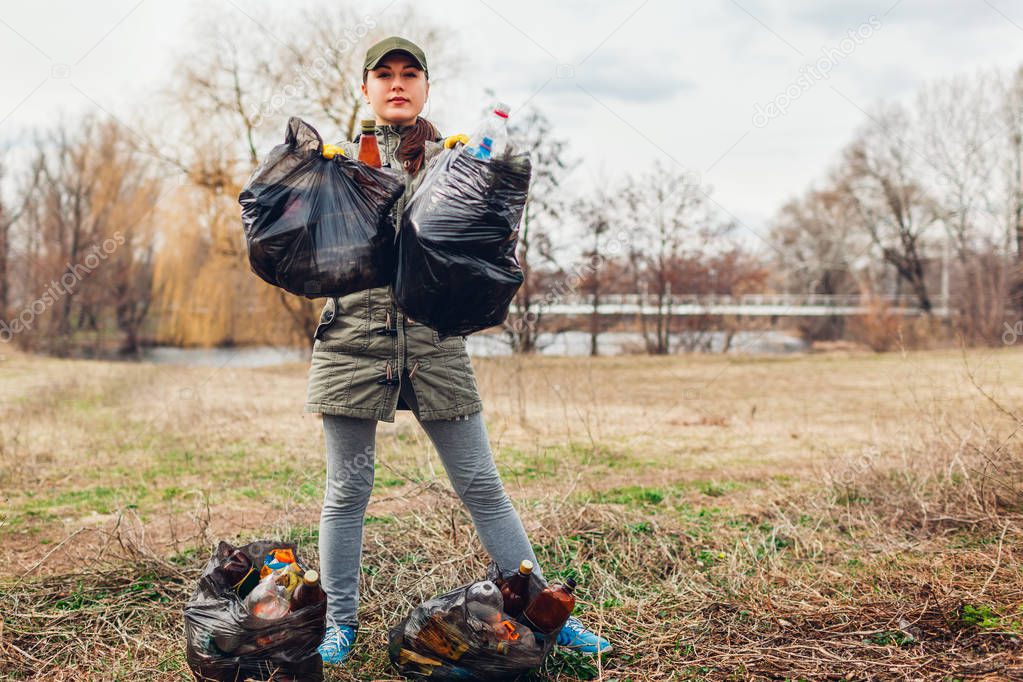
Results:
x,y
337,642
576,637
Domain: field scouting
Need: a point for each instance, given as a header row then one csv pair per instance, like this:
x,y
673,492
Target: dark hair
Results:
x,y
412,149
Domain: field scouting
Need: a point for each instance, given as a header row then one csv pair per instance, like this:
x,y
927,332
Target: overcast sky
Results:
x,y
627,83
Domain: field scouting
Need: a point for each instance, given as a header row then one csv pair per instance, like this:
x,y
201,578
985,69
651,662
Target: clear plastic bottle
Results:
x,y
269,600
484,603
491,138
485,592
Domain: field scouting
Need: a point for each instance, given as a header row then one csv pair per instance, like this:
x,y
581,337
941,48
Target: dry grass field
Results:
x,y
831,516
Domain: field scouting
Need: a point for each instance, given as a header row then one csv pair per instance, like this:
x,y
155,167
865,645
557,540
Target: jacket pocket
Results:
x,y
448,342
344,323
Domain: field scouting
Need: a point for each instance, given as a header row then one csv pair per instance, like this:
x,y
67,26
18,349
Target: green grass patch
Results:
x,y
891,638
633,495
520,464
717,488
988,618
98,499
302,535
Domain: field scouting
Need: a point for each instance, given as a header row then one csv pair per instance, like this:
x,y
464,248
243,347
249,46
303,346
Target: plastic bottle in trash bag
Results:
x,y
465,635
270,599
308,592
516,589
491,138
515,634
485,593
550,609
483,603
225,641
500,631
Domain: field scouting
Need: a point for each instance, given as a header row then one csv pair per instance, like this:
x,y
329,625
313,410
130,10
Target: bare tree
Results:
x,y
92,195
667,215
1012,115
959,135
881,178
545,208
816,252
963,132
9,217
596,214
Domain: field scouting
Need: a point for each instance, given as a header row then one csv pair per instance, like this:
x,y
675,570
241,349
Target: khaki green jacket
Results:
x,y
364,347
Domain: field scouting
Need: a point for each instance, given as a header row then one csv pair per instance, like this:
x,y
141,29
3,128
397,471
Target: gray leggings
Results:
x,y
465,453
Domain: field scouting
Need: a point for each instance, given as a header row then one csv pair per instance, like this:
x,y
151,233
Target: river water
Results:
x,y
571,343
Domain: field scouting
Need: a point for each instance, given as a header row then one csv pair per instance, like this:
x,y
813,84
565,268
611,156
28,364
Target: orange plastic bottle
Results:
x,y
551,608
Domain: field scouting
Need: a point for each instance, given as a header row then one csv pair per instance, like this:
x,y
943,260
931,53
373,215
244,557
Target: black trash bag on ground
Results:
x,y
457,271
442,640
225,642
319,227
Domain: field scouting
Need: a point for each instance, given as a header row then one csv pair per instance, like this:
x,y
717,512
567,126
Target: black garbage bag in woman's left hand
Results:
x,y
457,271
315,226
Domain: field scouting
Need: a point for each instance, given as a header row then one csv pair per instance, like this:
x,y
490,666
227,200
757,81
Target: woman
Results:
x,y
369,360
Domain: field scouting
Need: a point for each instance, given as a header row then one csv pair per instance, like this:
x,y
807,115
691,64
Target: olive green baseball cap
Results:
x,y
394,44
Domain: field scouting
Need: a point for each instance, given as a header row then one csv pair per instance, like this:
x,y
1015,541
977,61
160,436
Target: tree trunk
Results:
x,y
910,268
1016,279
4,295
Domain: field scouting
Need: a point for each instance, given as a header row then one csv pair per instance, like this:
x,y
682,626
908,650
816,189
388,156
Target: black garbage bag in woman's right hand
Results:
x,y
457,271
315,226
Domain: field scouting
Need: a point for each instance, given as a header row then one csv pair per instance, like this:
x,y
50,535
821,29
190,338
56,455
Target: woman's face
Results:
x,y
396,90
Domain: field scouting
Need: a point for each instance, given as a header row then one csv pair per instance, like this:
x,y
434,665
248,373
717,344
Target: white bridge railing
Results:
x,y
764,305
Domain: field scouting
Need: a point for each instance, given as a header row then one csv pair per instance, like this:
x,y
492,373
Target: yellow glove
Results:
x,y
451,141
332,150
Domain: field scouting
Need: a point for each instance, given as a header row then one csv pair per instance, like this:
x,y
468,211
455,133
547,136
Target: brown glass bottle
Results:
x,y
308,591
369,150
515,590
551,608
